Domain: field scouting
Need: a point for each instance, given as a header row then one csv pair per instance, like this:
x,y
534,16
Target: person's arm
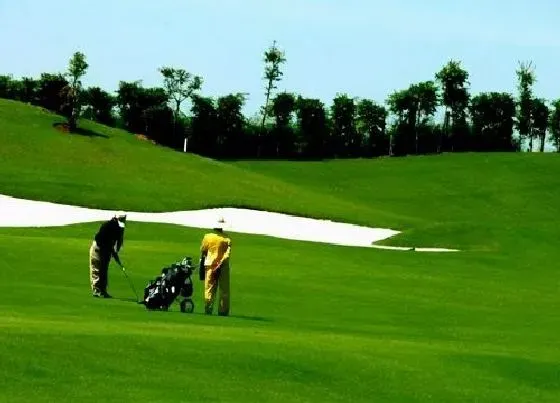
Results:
x,y
204,244
120,241
116,256
203,252
218,262
117,246
203,248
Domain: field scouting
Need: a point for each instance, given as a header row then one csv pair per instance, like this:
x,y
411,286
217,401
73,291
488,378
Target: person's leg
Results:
x,y
103,275
223,284
94,269
210,287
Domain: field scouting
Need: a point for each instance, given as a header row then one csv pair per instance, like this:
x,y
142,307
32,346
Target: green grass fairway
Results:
x,y
310,322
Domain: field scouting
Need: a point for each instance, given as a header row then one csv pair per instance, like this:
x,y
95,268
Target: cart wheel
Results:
x,y
187,305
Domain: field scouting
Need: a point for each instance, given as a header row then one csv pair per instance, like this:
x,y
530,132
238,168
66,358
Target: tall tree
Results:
x,y
77,68
413,107
493,121
179,85
50,92
29,88
5,86
554,124
128,95
134,102
371,125
273,59
453,80
425,97
526,79
99,105
230,124
312,124
402,106
203,126
540,114
283,108
344,137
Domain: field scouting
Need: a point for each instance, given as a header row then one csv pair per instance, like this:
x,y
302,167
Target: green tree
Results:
x,y
10,88
5,86
138,106
402,106
371,126
540,115
50,92
99,105
273,58
230,125
29,88
493,117
179,86
413,107
283,108
453,81
344,138
425,96
312,125
77,68
204,138
526,79
554,124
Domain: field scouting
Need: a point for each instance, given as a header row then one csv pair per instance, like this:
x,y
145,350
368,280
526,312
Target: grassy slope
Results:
x,y
485,202
310,322
120,171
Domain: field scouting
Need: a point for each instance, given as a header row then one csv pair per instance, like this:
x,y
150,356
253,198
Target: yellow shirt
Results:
x,y
217,247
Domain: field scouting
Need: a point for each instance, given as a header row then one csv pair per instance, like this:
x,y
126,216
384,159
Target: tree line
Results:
x,y
292,126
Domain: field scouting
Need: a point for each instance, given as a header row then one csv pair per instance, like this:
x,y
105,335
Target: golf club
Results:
x,y
130,282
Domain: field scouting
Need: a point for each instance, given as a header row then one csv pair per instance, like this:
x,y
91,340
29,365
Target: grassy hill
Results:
x,y
309,322
493,202
109,168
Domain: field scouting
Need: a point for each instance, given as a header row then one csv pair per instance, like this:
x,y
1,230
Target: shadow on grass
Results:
x,y
243,317
172,309
538,374
63,127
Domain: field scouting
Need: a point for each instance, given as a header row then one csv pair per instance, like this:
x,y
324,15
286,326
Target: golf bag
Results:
x,y
174,281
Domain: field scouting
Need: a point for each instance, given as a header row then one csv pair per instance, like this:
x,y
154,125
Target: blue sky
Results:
x,y
364,48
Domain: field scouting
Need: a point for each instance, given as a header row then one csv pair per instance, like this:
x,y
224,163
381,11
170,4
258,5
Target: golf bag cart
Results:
x,y
174,281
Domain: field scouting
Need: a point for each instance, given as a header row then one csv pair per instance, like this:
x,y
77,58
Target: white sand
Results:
x,y
28,213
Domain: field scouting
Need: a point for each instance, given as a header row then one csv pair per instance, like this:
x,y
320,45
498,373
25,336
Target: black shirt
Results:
x,y
110,236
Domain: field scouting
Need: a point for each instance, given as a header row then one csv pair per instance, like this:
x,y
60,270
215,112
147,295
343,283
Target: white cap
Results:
x,y
220,223
121,218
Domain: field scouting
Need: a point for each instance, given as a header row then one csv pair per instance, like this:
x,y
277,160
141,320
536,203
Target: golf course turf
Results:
x,y
310,322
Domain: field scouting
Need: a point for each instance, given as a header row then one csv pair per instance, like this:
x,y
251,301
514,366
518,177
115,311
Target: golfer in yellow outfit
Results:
x,y
215,251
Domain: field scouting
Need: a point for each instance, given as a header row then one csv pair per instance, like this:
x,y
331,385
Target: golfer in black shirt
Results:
x,y
107,243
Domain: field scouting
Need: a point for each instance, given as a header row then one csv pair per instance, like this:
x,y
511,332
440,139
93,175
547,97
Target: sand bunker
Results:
x,y
16,212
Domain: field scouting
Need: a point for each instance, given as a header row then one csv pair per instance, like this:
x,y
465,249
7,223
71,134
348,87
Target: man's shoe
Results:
x,y
106,295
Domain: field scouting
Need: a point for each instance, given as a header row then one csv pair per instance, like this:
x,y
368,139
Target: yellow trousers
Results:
x,y
214,280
